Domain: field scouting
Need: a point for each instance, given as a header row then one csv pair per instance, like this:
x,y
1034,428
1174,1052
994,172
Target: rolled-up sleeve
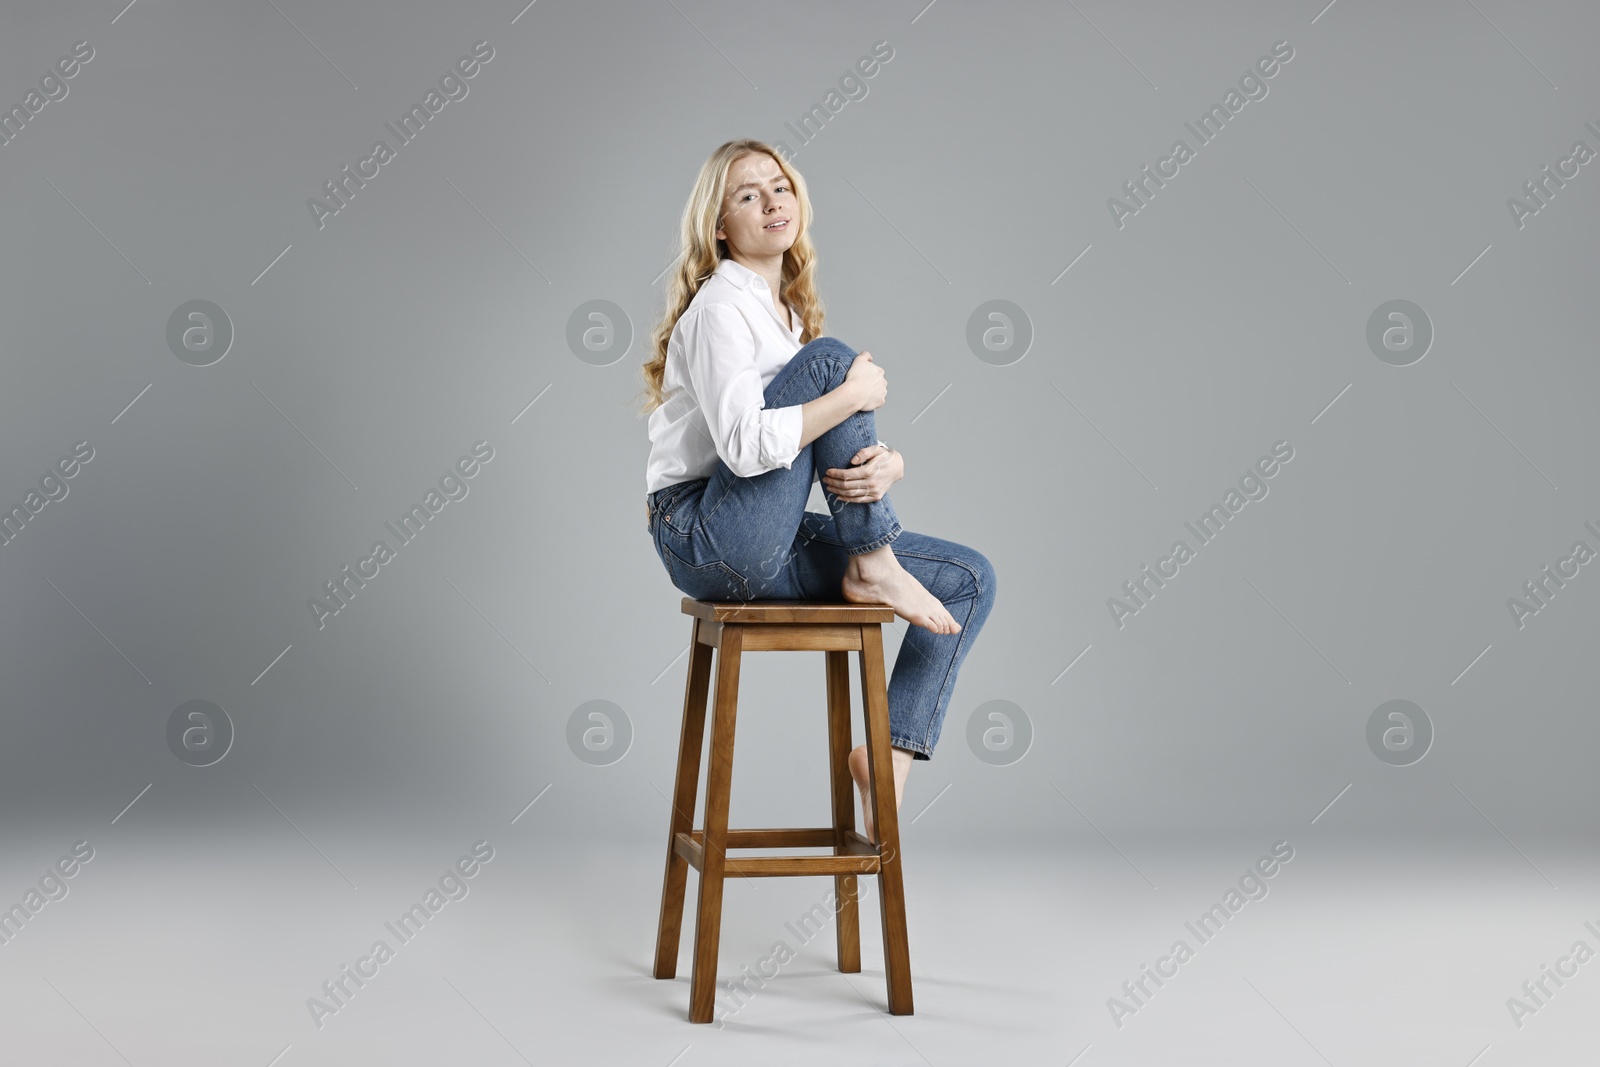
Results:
x,y
719,355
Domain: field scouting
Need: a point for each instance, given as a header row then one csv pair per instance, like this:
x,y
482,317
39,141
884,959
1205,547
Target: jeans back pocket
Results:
x,y
706,581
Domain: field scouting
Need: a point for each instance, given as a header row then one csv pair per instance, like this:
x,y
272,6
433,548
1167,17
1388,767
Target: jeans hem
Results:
x,y
875,545
917,749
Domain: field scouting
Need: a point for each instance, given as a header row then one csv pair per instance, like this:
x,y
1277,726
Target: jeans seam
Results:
x,y
954,656
672,505
706,518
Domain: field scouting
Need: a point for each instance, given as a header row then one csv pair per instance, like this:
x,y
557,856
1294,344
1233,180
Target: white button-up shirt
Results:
x,y
724,350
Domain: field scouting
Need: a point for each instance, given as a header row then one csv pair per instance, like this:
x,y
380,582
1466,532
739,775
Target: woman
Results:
x,y
748,406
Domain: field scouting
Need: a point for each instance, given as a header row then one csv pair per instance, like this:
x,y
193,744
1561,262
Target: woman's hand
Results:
x,y
873,470
869,382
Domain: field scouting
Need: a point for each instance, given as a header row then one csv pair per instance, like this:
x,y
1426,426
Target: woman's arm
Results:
x,y
719,354
827,411
751,438
864,389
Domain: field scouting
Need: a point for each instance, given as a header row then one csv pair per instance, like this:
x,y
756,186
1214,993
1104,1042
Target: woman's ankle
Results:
x,y
877,561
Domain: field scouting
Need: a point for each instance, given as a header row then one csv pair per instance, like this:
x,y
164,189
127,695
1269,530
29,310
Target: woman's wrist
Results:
x,y
830,409
854,394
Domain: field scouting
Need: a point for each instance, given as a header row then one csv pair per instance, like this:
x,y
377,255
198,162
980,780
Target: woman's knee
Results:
x,y
958,573
978,578
827,350
816,369
831,346
983,573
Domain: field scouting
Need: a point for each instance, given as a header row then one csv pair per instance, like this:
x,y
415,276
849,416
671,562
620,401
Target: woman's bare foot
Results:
x,y
859,771
876,577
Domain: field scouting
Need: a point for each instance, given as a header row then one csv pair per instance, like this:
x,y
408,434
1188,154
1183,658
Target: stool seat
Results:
x,y
732,628
770,611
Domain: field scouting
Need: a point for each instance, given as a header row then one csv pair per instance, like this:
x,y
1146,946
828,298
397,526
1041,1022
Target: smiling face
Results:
x,y
759,210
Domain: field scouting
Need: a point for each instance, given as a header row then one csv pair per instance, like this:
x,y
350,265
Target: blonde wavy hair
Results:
x,y
700,252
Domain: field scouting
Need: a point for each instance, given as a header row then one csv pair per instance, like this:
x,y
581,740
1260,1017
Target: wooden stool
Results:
x,y
733,628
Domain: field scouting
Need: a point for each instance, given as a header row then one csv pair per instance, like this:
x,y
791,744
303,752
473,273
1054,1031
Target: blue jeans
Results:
x,y
732,538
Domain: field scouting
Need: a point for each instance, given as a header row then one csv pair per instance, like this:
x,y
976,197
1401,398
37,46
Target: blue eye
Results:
x,y
782,188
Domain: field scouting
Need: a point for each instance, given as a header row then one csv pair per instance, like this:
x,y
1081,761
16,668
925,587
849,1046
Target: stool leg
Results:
x,y
681,821
848,928
719,777
885,819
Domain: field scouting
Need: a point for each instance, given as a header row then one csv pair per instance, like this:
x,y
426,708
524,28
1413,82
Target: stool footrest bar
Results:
x,y
860,855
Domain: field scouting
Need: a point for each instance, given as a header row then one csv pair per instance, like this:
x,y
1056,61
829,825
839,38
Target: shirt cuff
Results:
x,y
780,436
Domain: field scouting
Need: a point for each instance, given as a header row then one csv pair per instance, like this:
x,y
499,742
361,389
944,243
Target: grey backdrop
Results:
x,y
1166,353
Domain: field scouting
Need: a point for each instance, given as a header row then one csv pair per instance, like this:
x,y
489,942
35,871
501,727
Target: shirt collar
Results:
x,y
741,275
